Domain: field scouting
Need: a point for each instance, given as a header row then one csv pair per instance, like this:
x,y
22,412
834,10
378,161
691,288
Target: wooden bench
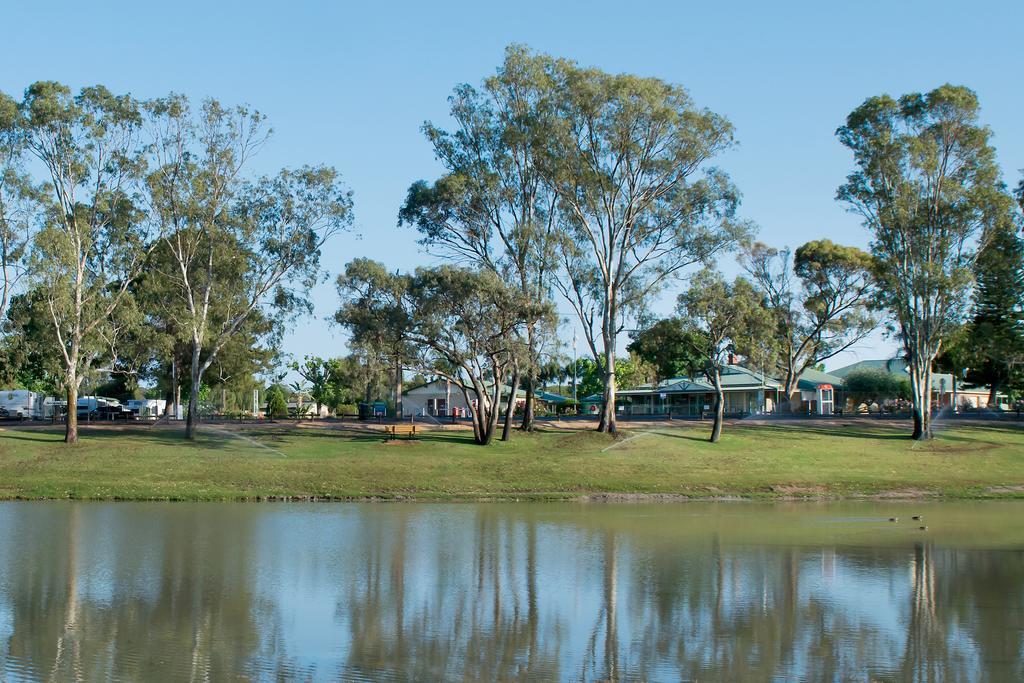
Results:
x,y
408,430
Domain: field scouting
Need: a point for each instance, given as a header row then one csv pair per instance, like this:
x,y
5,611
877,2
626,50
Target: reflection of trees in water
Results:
x,y
474,623
740,614
480,592
78,614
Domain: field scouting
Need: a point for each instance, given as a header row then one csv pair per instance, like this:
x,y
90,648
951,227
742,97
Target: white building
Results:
x,y
440,398
436,399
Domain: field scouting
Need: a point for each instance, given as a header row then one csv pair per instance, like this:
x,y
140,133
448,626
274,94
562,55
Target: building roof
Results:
x,y
734,378
894,366
548,397
810,380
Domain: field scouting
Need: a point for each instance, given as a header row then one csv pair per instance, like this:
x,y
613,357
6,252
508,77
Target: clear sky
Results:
x,y
349,84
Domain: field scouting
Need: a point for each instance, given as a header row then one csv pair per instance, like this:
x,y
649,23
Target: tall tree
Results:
x,y
96,239
925,184
721,313
492,209
236,247
19,202
997,325
819,297
628,159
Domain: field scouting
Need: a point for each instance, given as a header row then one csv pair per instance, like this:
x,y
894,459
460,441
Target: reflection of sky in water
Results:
x,y
534,591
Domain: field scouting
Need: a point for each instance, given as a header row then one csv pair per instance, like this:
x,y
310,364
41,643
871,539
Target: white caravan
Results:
x,y
20,404
147,407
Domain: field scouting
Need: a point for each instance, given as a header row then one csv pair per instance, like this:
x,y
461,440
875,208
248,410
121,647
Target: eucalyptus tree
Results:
x,y
375,314
491,208
466,327
19,202
720,314
926,185
628,159
820,297
459,324
238,247
96,238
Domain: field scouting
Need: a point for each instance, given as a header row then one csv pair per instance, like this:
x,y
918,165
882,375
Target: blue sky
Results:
x,y
350,84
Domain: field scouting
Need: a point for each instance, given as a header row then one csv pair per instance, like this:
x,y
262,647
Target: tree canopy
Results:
x,y
926,186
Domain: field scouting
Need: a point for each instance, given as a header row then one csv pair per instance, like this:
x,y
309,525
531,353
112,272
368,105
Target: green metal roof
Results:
x,y
734,378
810,380
894,366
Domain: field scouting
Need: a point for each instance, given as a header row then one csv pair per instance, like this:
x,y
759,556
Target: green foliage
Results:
x,y
996,331
323,377
631,210
87,255
926,184
277,402
874,385
818,297
374,313
670,348
20,200
234,248
720,314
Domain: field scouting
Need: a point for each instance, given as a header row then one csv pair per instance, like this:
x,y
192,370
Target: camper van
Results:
x,y
147,408
20,404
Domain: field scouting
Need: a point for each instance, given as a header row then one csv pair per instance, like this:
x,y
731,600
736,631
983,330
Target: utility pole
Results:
x,y
174,388
575,404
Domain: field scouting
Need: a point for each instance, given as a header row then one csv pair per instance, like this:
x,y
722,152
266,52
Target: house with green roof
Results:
x,y
820,393
745,392
945,391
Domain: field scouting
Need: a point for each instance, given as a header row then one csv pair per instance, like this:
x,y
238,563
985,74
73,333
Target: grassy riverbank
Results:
x,y
758,461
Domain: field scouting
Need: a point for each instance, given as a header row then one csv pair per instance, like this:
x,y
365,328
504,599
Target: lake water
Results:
x,y
698,591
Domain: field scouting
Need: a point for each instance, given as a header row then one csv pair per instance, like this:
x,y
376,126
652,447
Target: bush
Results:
x,y
567,408
875,385
346,409
277,405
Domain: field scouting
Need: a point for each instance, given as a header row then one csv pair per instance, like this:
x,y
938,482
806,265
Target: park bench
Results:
x,y
408,430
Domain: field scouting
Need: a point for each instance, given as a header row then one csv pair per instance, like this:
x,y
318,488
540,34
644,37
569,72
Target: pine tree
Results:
x,y
997,328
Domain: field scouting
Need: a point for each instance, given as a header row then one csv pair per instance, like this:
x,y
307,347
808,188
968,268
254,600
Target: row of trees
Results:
x,y
560,179
598,187
146,241
141,241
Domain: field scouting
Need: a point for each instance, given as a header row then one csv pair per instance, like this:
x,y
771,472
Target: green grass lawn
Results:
x,y
284,461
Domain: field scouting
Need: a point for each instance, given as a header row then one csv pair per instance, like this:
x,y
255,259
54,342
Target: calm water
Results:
x,y
149,591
